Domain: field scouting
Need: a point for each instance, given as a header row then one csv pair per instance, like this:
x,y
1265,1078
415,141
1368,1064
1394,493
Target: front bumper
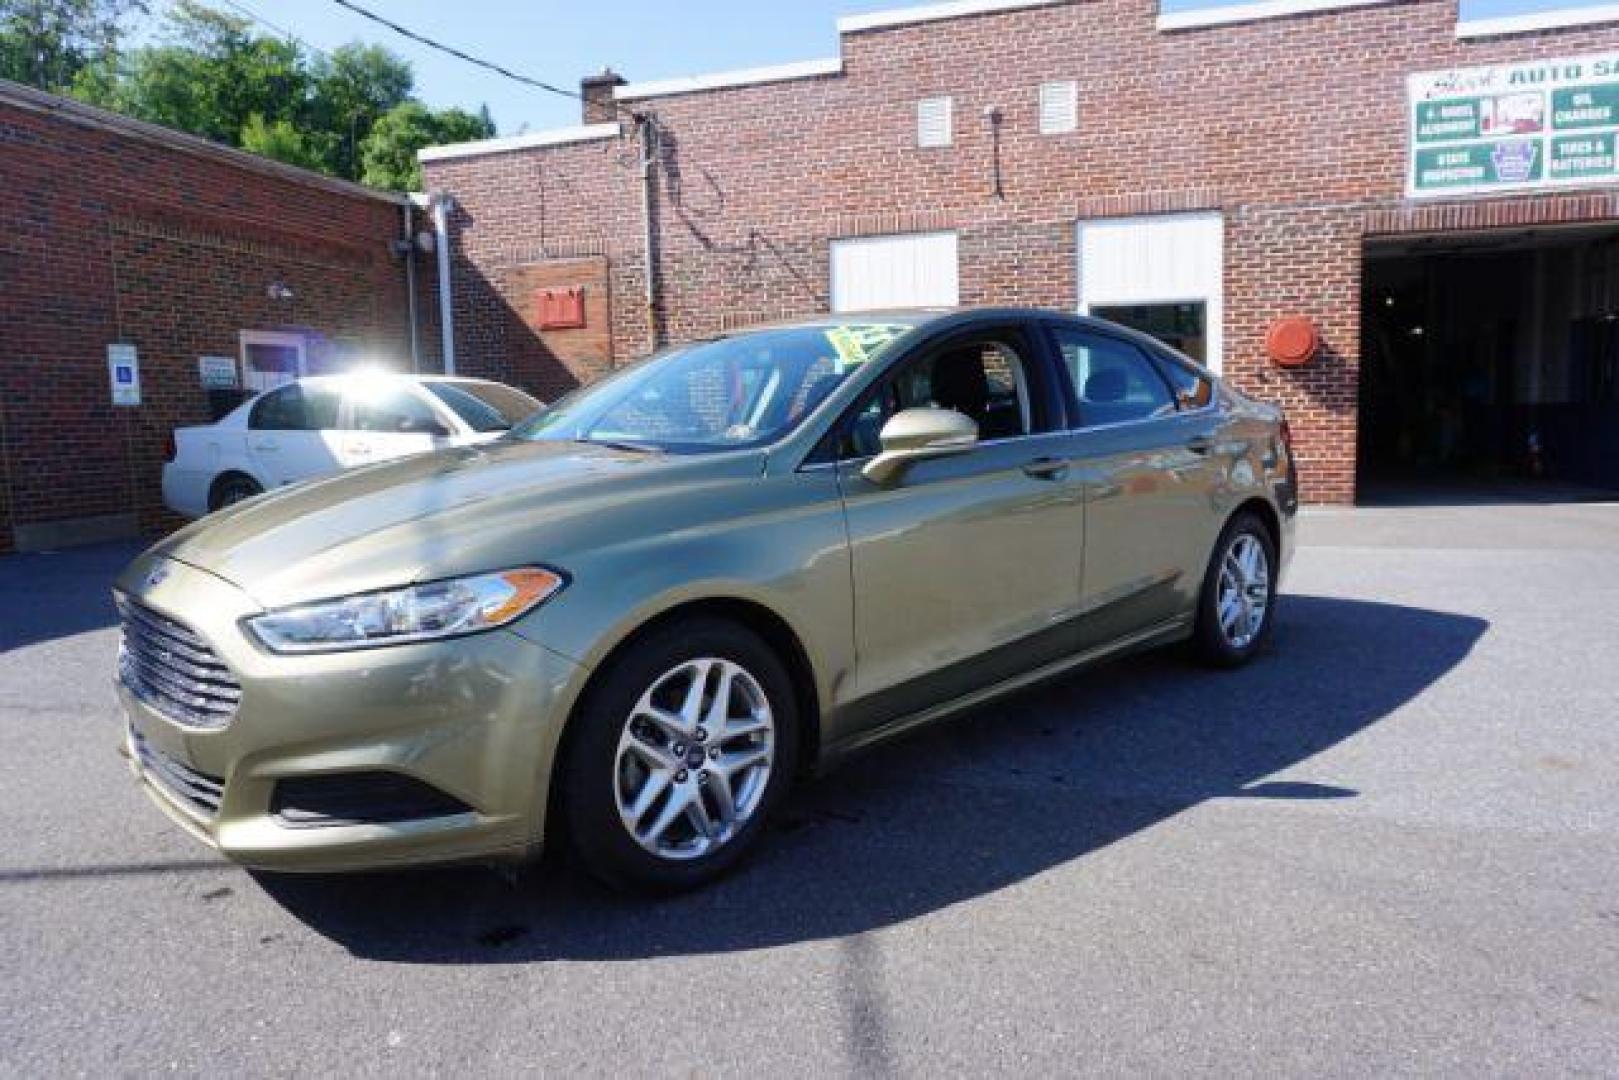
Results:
x,y
476,719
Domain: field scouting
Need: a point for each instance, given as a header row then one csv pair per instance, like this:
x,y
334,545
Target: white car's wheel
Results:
x,y
231,489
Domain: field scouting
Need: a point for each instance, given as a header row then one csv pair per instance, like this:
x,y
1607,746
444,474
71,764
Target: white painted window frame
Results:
x,y
1213,300
948,104
856,241
283,338
1068,88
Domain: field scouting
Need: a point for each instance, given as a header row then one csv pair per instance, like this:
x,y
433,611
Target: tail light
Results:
x,y
171,449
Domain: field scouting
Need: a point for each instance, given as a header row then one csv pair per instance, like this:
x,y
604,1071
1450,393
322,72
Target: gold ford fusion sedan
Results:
x,y
633,620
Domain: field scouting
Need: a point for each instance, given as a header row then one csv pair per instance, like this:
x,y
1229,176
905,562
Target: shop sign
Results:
x,y
124,373
1544,124
217,372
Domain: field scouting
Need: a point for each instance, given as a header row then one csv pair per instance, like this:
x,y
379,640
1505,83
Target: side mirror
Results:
x,y
919,435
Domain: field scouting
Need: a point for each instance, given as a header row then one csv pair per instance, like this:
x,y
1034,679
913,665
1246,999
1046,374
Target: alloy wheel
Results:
x,y
694,759
1244,594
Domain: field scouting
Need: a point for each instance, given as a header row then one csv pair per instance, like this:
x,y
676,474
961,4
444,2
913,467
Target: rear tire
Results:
x,y
1236,608
665,786
232,488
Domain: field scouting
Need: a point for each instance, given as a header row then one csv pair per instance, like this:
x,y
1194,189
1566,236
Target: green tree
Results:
x,y
353,86
278,139
209,78
46,43
349,113
389,152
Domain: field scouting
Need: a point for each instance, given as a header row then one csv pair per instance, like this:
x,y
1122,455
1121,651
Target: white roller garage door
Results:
x,y
1148,267
875,272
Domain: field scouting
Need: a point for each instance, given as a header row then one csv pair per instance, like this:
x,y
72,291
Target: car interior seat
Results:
x,y
960,383
1107,386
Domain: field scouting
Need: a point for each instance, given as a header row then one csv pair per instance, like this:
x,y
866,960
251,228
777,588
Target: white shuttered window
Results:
x,y
934,122
874,272
1168,259
1059,107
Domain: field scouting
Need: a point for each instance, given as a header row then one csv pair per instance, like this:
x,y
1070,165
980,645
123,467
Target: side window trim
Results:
x,y
1162,359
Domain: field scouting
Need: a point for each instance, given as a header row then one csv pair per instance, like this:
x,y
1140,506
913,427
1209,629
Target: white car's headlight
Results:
x,y
437,609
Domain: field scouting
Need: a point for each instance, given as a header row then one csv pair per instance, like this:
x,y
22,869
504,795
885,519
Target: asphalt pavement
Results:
x,y
1390,846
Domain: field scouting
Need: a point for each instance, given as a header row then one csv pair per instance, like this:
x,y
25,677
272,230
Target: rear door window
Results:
x,y
279,410
295,408
1114,381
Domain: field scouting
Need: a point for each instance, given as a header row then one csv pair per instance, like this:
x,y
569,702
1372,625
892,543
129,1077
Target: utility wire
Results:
x,y
243,9
538,84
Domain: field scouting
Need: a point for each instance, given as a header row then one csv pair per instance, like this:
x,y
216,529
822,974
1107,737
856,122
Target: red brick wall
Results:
x,y
108,236
1294,128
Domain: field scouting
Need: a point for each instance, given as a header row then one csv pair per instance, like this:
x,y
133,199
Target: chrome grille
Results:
x,y
167,666
198,790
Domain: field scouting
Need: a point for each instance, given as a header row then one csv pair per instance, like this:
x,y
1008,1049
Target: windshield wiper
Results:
x,y
621,444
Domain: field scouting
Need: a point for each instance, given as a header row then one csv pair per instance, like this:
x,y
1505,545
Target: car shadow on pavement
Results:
x,y
58,594
959,810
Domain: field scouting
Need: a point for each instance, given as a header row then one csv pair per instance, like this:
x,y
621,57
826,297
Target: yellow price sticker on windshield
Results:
x,y
858,344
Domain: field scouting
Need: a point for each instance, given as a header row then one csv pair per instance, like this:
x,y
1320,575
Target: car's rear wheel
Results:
x,y
231,489
1237,607
684,746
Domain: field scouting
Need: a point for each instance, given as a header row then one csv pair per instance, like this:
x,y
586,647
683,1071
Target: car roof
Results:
x,y
931,318
941,319
384,375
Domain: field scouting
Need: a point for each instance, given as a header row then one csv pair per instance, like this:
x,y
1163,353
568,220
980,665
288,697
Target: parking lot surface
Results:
x,y
1389,846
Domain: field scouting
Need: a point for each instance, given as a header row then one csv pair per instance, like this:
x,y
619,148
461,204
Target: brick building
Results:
x,y
1433,197
116,233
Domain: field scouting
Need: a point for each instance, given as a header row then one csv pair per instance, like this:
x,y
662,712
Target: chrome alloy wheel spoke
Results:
x,y
694,758
1244,591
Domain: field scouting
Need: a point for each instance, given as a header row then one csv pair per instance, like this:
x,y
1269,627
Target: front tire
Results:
x,y
684,747
1237,606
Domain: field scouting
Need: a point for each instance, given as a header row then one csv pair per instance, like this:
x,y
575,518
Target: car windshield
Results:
x,y
485,406
747,390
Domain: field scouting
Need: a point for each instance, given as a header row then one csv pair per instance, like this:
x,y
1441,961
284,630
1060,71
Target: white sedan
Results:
x,y
322,424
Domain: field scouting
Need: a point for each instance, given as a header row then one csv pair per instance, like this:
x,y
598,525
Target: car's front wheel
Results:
x,y
1237,607
684,746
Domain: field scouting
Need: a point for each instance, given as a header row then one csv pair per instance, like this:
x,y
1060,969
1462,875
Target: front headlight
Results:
x,y
437,609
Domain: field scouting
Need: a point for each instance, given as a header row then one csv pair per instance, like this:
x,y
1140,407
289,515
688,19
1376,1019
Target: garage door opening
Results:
x,y
1490,367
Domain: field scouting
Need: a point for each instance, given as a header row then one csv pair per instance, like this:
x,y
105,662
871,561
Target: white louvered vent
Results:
x,y
934,122
1059,107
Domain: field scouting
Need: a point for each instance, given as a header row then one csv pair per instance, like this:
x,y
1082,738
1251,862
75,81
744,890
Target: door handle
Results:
x,y
1200,444
265,445
1046,468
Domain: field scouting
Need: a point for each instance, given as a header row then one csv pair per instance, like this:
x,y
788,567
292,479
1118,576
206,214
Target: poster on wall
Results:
x,y
124,373
217,372
1543,124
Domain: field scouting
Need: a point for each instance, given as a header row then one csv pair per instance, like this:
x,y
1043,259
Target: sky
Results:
x,y
559,41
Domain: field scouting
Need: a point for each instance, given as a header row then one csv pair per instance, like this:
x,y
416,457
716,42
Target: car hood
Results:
x,y
457,511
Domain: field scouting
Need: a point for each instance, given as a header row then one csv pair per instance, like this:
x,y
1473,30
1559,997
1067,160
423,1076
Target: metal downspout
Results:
x,y
441,245
649,144
407,245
